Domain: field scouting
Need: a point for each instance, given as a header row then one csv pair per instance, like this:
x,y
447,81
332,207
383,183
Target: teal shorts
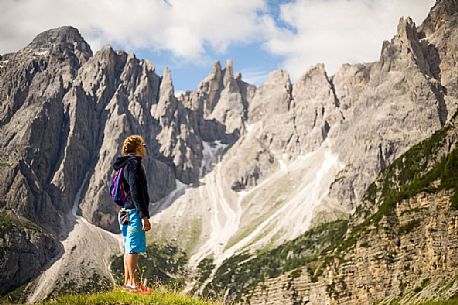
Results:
x,y
133,235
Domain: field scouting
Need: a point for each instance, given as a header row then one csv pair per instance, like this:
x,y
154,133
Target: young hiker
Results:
x,y
134,216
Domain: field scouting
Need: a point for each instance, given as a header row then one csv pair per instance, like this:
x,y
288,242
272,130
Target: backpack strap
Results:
x,y
124,179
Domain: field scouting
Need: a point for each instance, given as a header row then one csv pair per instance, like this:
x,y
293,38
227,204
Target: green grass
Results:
x,y
6,223
453,301
195,232
9,222
254,224
446,302
119,297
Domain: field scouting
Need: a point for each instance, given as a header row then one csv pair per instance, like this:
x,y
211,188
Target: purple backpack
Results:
x,y
117,192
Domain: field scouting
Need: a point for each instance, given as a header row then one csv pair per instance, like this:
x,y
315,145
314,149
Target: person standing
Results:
x,y
135,212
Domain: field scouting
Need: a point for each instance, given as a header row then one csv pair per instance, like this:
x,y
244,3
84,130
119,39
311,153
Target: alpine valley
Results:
x,y
334,189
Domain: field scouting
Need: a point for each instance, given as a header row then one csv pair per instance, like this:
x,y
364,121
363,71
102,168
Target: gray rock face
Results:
x,y
33,82
225,98
405,102
439,47
178,138
24,249
32,85
305,111
315,110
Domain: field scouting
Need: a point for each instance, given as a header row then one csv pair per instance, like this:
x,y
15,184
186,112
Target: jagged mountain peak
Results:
x,y
62,36
407,29
167,89
278,76
405,22
106,49
167,75
318,70
216,67
229,67
440,14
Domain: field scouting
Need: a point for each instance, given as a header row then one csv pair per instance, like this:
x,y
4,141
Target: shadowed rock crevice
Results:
x,y
333,89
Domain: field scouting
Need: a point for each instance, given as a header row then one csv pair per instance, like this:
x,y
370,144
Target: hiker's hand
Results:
x,y
146,225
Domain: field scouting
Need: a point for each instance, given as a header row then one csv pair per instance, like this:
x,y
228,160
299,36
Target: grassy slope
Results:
x,y
120,297
161,297
445,302
158,297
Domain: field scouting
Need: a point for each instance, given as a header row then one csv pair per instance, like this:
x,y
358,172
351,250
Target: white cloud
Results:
x,y
183,27
334,32
329,31
255,77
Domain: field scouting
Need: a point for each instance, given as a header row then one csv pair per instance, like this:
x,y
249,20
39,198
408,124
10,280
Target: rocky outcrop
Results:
x,y
406,103
315,110
440,15
270,107
225,97
33,83
408,257
439,44
178,139
411,255
294,287
24,249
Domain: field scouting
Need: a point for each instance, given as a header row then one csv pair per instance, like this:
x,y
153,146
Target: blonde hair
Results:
x,y
131,144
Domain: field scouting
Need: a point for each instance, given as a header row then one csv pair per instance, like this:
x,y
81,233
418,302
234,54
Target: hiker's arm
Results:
x,y
138,190
146,225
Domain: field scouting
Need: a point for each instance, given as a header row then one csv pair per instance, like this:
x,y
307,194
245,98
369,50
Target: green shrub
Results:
x,y
243,272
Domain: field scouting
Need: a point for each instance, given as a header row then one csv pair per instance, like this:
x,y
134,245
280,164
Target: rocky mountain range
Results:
x,y
232,168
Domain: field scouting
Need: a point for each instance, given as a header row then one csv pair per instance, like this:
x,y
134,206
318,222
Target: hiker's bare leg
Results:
x,y
132,261
126,272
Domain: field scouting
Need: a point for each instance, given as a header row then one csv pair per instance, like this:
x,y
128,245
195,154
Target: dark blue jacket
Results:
x,y
136,186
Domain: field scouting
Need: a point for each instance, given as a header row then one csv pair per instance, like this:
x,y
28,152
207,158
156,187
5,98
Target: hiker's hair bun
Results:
x,y
131,144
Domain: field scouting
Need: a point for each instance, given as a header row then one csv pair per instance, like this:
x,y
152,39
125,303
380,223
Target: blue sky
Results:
x,y
248,58
188,36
